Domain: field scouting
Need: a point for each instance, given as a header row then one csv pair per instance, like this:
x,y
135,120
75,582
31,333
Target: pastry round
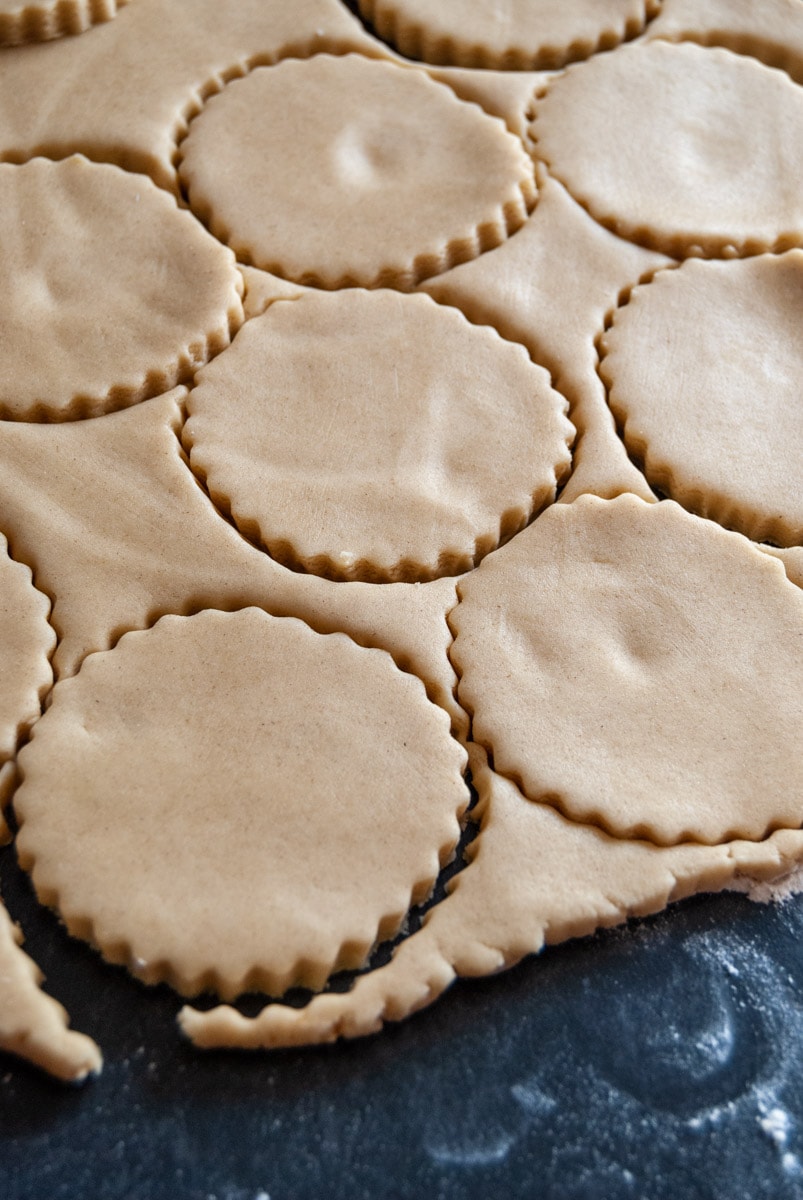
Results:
x,y
339,172
241,804
376,436
679,147
704,368
111,293
640,669
518,35
23,21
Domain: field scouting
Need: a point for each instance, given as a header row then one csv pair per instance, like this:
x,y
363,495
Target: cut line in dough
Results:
x,y
376,436
23,21
594,656
513,35
298,795
386,177
113,294
685,149
703,369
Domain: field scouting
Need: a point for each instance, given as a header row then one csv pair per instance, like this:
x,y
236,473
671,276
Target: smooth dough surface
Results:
x,y
377,436
679,147
112,293
32,1024
373,175
43,20
639,669
518,35
704,367
298,794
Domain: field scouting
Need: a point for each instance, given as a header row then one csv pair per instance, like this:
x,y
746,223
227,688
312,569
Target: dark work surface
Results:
x,y
660,1061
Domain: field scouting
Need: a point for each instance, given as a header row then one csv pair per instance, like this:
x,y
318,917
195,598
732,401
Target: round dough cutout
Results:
x,y
640,669
112,293
376,436
340,172
241,803
704,368
43,20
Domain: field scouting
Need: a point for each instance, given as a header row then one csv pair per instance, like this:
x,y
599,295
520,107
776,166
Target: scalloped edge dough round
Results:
x,y
27,641
348,171
247,863
706,390
376,436
470,33
638,668
689,169
45,20
114,294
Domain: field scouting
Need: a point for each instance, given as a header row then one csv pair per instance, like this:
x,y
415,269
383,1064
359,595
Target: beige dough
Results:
x,y
373,174
26,644
680,148
120,533
33,1024
42,20
298,794
771,31
518,35
376,436
639,669
703,367
112,293
551,288
125,94
534,879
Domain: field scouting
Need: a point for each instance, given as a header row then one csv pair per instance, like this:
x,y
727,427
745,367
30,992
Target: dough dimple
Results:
x,y
704,369
378,436
516,35
640,669
298,792
348,171
22,22
112,294
680,147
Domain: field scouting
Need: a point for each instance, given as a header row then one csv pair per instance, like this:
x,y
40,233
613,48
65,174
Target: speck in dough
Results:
x,y
346,171
639,668
520,35
376,436
242,803
704,368
111,293
680,147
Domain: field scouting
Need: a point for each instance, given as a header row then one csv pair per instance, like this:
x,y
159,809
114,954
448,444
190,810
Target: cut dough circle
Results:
x,y
640,669
44,20
517,35
26,643
347,171
679,147
376,436
704,368
298,793
112,293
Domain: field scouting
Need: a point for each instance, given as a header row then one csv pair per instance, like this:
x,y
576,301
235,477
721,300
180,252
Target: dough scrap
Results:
x,y
125,94
298,794
43,20
703,367
601,676
120,533
517,35
376,436
386,178
515,896
112,293
32,1024
551,287
681,148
